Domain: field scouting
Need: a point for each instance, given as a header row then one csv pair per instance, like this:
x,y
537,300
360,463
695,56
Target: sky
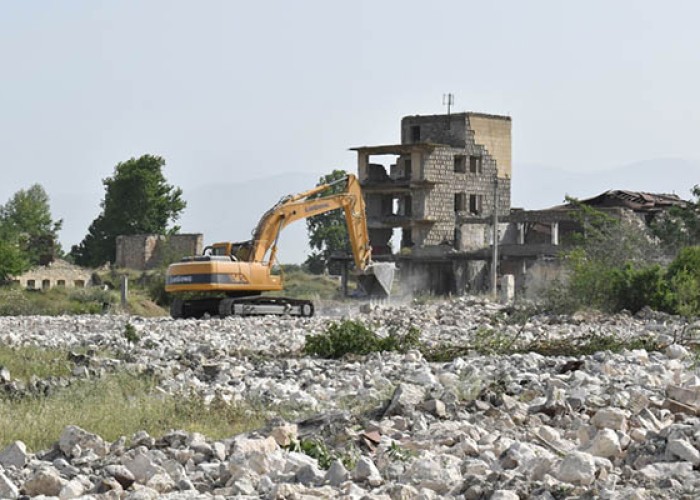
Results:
x,y
230,91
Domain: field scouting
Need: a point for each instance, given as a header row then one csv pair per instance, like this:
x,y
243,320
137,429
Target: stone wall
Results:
x,y
148,251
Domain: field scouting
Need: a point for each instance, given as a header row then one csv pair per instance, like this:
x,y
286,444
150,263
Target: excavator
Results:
x,y
230,278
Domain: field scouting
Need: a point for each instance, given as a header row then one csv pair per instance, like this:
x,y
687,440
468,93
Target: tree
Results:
x,y
137,200
12,260
327,232
26,220
680,227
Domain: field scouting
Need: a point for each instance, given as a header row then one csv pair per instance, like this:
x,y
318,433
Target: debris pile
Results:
x,y
507,425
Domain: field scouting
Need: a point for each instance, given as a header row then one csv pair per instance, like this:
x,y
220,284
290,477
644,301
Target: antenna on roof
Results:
x,y
448,100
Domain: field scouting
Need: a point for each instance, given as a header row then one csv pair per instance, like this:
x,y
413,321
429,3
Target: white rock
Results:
x,y
14,455
72,489
161,482
142,467
74,441
610,418
605,444
284,434
437,473
504,495
684,450
8,489
246,446
676,351
337,473
475,467
366,471
406,397
45,481
577,468
662,470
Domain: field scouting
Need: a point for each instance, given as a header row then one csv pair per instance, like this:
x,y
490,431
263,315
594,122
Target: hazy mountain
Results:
x,y
536,186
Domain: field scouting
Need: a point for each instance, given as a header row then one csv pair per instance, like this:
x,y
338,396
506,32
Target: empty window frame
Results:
x,y
460,162
79,283
31,284
407,168
406,238
475,202
475,164
45,284
460,202
61,283
415,133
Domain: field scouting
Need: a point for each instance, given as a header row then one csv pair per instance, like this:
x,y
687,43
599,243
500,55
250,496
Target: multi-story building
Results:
x,y
448,170
428,197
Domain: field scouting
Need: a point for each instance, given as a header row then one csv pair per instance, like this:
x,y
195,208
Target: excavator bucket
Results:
x,y
376,279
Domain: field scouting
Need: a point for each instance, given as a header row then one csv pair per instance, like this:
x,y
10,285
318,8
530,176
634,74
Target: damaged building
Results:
x,y
423,194
430,203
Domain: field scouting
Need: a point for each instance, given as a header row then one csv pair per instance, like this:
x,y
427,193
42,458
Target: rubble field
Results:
x,y
513,425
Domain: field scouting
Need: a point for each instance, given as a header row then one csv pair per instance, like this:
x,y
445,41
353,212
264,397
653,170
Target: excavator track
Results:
x,y
241,306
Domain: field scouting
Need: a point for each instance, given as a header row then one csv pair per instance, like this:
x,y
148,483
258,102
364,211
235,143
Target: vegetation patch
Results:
x,y
494,343
56,301
319,450
26,362
353,337
117,405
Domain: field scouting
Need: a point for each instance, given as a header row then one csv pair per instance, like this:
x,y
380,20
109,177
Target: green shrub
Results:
x,y
353,337
130,334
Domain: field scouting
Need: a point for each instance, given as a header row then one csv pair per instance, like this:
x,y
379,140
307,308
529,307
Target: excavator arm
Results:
x,y
308,204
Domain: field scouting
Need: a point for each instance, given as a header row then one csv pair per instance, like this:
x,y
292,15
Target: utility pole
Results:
x,y
448,100
494,257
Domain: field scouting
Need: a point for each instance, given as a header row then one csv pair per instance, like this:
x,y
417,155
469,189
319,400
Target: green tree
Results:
x,y
138,200
327,232
12,260
27,221
680,226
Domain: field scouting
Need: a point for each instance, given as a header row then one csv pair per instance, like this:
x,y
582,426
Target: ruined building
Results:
x,y
148,251
425,194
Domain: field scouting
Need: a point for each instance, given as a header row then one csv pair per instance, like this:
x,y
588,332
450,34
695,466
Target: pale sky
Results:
x,y
229,91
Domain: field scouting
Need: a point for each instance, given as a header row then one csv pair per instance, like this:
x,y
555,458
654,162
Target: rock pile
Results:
x,y
394,426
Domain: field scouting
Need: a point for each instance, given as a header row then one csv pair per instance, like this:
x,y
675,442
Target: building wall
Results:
x,y
59,273
148,251
494,135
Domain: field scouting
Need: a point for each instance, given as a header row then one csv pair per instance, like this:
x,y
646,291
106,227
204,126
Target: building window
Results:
x,y
475,201
61,283
415,133
460,164
79,284
475,164
406,238
45,284
407,168
31,284
460,202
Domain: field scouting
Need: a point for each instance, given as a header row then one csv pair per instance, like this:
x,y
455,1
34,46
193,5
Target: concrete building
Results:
x,y
428,196
445,172
58,273
148,251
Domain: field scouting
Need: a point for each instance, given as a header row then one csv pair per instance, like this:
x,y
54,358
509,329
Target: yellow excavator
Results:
x,y
229,278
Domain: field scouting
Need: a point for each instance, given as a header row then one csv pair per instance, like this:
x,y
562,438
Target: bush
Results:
x,y
353,337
